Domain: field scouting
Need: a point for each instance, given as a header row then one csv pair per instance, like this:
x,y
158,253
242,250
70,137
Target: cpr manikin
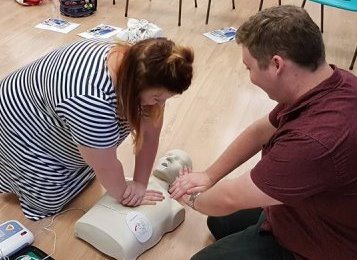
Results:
x,y
125,232
170,165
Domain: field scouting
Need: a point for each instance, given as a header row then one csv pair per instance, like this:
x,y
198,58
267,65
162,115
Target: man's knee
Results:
x,y
204,254
215,226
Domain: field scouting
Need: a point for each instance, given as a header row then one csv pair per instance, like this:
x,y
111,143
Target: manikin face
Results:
x,y
153,96
170,164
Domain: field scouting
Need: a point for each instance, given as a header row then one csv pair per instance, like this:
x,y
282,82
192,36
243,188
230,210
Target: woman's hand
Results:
x,y
190,182
136,194
151,197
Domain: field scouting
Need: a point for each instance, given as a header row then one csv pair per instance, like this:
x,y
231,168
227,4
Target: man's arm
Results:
x,y
229,196
246,145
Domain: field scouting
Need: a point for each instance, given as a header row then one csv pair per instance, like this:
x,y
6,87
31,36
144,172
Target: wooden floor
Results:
x,y
220,103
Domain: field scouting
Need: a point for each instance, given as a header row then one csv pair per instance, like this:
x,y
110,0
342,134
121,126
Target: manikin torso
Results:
x,y
125,232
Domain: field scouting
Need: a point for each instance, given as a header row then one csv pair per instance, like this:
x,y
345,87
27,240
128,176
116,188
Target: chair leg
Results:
x,y
208,10
113,2
322,18
353,59
303,3
126,8
196,3
322,15
261,4
180,9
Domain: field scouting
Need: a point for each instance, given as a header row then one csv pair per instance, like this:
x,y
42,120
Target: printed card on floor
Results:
x,y
57,25
101,31
222,35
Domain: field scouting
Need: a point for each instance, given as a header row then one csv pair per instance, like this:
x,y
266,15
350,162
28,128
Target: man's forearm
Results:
x,y
245,146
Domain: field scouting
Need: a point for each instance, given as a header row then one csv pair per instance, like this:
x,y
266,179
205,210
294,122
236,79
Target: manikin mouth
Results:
x,y
162,167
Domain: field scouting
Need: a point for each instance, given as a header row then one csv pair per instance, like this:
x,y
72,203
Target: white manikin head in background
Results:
x,y
170,164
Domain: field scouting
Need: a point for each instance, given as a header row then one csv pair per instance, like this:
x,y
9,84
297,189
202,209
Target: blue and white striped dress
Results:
x,y
48,107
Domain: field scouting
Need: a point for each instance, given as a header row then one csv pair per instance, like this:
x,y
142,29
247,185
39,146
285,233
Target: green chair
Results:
x,y
349,5
353,59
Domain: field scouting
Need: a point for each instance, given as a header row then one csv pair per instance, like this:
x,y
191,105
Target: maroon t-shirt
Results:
x,y
310,164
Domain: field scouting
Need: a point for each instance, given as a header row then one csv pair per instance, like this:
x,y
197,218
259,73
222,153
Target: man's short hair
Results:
x,y
284,30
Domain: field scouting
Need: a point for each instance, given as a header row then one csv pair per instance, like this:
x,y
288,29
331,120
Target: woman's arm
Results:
x,y
145,158
144,161
107,168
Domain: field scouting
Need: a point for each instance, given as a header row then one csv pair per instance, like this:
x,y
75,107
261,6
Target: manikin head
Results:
x,y
170,164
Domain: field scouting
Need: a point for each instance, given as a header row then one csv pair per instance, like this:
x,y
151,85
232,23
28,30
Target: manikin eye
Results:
x,y
164,164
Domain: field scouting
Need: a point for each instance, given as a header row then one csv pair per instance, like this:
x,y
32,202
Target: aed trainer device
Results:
x,y
13,237
30,253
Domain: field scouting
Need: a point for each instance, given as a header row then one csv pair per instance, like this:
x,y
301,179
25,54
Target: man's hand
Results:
x,y
190,182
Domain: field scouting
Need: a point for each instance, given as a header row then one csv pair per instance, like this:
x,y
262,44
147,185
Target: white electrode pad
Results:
x,y
140,225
